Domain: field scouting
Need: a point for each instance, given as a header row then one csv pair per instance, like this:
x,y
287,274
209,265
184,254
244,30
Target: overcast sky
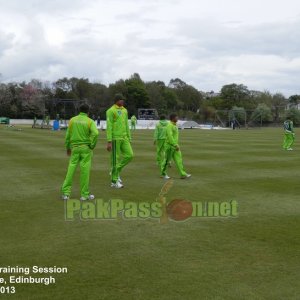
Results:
x,y
205,43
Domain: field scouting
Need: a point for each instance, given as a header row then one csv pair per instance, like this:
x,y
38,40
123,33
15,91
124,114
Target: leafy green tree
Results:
x,y
137,96
207,112
98,99
217,103
261,97
64,84
190,99
238,113
294,100
262,114
27,99
235,95
177,84
115,88
279,103
6,99
156,91
65,88
83,88
171,99
294,114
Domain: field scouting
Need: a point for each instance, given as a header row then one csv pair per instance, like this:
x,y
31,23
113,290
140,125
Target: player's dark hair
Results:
x,y
119,97
173,116
162,117
84,108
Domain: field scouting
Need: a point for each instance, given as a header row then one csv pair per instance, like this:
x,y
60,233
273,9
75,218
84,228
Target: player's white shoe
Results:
x,y
119,179
186,176
65,197
289,149
166,177
90,197
117,185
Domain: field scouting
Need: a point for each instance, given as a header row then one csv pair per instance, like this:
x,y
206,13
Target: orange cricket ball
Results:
x,y
179,209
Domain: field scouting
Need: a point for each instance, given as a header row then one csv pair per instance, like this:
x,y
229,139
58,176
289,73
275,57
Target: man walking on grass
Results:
x,y
289,134
118,139
160,134
81,139
173,150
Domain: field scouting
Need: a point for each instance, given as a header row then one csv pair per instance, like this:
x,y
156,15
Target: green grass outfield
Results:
x,y
253,256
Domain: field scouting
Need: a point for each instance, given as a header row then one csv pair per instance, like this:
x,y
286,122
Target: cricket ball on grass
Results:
x,y
179,209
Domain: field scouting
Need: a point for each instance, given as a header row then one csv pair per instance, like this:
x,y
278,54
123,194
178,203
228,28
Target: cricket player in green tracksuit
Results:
x,y
160,140
289,135
118,139
133,122
173,150
81,139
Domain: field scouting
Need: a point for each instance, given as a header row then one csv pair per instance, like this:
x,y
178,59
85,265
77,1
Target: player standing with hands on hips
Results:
x,y
118,139
172,149
289,134
81,139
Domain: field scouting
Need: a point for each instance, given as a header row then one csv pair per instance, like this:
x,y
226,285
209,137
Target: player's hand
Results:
x,y
69,152
109,146
154,143
177,148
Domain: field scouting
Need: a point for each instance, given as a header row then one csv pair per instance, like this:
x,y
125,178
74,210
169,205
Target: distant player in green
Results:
x,y
173,150
289,134
34,122
47,120
118,139
160,140
81,139
133,122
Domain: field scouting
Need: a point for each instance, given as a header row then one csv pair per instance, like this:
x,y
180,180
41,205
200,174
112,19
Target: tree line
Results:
x,y
234,101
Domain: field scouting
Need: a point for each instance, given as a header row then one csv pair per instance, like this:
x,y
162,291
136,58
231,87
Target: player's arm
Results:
x,y
292,127
109,129
109,125
68,138
93,135
127,127
155,133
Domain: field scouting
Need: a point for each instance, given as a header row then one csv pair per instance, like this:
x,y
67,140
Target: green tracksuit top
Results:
x,y
117,127
133,119
288,126
160,131
172,134
81,131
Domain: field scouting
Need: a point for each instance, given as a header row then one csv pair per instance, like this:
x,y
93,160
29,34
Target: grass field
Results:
x,y
253,256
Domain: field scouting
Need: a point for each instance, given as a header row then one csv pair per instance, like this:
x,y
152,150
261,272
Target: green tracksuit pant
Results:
x,y
80,155
133,126
121,155
288,140
171,153
160,151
